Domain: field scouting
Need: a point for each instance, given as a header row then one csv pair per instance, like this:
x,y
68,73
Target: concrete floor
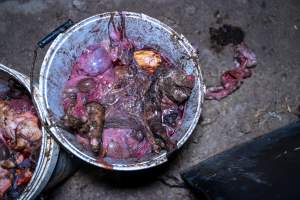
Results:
x,y
268,100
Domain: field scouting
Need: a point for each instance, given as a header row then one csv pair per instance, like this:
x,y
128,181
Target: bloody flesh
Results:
x,y
20,136
244,59
232,79
123,101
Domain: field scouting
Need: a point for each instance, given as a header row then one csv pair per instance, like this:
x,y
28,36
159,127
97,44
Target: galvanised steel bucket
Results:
x,y
49,149
68,46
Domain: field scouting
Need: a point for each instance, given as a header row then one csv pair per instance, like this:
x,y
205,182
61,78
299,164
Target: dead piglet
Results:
x,y
95,124
176,84
171,84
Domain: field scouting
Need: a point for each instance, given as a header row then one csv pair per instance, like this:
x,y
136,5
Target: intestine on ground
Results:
x,y
232,79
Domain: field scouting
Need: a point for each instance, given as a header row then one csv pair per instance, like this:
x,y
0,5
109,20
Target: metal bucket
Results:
x,y
49,149
68,46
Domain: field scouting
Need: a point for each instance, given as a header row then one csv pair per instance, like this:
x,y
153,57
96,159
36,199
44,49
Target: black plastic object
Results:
x,y
266,168
51,36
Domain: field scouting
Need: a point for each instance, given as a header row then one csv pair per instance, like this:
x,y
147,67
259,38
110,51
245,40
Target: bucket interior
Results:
x,y
4,87
67,47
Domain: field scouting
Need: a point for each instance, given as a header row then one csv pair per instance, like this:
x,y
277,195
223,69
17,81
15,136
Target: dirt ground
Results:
x,y
266,101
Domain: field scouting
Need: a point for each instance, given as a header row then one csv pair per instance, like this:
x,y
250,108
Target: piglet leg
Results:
x,y
95,125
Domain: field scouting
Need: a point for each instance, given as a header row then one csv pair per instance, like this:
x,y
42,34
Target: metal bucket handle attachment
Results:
x,y
53,34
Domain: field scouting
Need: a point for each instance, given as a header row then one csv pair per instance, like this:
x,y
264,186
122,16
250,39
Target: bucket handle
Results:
x,y
46,40
52,35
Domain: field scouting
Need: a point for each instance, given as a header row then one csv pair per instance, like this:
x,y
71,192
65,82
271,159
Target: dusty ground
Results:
x,y
266,101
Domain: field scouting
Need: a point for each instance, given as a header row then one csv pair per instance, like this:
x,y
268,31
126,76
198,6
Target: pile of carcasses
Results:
x,y
20,140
